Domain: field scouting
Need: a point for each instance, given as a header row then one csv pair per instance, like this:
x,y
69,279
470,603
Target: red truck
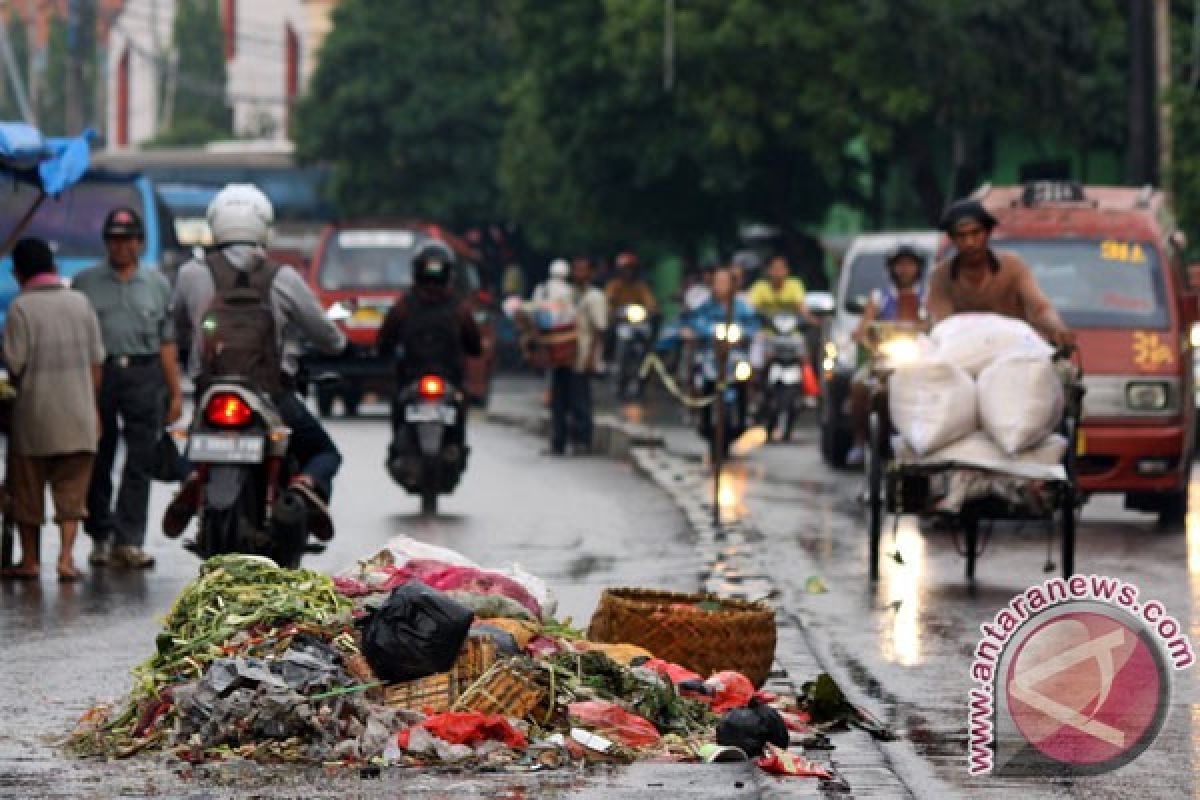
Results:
x,y
1111,261
365,266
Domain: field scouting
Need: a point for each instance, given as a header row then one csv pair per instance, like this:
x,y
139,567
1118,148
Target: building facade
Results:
x,y
270,52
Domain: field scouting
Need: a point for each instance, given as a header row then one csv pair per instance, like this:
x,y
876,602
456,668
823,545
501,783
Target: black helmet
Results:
x,y
432,264
122,222
905,250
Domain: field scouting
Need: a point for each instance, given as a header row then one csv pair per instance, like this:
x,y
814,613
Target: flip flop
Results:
x,y
15,574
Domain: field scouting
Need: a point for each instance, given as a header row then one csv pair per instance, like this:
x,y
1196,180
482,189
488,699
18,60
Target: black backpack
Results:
x,y
239,327
431,340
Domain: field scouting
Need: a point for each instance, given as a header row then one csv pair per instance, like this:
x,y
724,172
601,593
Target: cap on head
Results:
x,y
123,223
964,210
559,268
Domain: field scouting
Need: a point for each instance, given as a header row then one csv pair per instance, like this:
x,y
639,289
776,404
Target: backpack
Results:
x,y
239,327
431,340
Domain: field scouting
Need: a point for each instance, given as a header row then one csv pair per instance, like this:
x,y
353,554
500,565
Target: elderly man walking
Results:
x,y
53,349
140,382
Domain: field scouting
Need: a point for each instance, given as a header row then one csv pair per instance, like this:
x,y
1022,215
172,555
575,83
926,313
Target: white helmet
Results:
x,y
240,213
559,268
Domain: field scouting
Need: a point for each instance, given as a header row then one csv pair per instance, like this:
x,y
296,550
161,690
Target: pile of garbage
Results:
x,y
983,391
416,657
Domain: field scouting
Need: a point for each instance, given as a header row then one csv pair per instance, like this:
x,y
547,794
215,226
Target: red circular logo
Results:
x,y
1085,689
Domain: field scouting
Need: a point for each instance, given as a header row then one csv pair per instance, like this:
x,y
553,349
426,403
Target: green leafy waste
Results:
x,y
233,593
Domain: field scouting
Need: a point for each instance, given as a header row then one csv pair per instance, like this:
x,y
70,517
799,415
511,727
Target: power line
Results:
x,y
201,86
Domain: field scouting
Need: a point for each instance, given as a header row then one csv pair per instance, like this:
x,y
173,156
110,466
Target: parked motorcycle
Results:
x,y
238,445
428,454
634,330
733,401
786,352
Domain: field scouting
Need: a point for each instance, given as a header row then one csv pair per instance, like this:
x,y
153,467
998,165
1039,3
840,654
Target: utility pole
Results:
x,y
1162,49
1139,162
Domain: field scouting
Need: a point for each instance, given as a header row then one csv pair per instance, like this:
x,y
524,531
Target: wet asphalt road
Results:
x,y
582,525
904,648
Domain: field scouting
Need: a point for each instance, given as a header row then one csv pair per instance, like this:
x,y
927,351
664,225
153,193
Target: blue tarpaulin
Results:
x,y
51,164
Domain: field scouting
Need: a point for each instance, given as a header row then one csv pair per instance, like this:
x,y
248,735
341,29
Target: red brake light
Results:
x,y
431,386
227,410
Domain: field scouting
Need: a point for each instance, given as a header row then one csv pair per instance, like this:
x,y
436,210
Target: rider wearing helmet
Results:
x,y
240,218
430,331
901,301
627,288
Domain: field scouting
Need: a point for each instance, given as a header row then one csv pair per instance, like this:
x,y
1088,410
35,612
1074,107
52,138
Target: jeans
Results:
x,y
570,408
134,396
314,451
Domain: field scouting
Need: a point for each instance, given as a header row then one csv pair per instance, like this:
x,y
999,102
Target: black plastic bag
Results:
x,y
417,632
750,728
168,466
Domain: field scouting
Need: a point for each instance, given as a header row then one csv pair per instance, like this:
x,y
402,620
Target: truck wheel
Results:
x,y
325,402
1173,509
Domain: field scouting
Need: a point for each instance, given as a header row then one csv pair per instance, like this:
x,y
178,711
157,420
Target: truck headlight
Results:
x,y
1146,396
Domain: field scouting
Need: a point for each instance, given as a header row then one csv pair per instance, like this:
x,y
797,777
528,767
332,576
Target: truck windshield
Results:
x,y
365,259
1107,283
72,223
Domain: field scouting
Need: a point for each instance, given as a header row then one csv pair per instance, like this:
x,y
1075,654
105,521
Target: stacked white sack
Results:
x,y
975,341
1020,401
932,404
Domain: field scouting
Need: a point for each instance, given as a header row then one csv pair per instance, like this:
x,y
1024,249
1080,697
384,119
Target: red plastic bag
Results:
x,y
781,762
612,721
730,690
471,728
673,672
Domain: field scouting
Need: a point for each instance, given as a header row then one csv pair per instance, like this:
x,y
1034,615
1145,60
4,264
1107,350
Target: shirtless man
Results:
x,y
981,279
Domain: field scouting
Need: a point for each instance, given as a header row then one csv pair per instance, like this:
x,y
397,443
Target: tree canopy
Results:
x,y
197,106
559,116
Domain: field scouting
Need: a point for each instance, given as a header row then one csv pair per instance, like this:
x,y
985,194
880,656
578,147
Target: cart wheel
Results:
x,y
874,493
971,535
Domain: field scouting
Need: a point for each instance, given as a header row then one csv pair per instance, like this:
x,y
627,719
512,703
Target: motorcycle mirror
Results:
x,y
820,303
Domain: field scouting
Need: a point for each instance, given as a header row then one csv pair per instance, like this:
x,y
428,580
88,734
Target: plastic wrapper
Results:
x,y
781,762
729,690
614,722
472,728
536,587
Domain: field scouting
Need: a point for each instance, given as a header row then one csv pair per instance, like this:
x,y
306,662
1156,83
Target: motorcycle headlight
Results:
x,y
1146,396
898,352
743,371
635,314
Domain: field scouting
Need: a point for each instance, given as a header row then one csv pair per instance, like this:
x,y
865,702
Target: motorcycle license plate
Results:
x,y
221,448
430,413
789,375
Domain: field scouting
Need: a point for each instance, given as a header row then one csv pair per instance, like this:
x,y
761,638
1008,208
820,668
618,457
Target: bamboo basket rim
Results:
x,y
729,606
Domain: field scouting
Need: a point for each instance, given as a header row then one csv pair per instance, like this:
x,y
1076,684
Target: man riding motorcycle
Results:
x,y
240,217
899,302
628,288
430,331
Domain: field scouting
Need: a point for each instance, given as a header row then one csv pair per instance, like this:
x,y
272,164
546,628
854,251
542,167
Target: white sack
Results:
x,y
1043,462
1020,401
975,341
932,404
405,549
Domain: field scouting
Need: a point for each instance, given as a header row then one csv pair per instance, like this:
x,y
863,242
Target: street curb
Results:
x,y
739,568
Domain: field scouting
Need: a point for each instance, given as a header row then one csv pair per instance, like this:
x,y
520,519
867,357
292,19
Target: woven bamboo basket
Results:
x,y
439,692
508,688
739,636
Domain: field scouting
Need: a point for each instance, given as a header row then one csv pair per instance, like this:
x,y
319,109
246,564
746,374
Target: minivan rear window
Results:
x,y
368,259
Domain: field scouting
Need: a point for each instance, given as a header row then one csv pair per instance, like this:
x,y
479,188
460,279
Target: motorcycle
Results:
x,y
633,335
733,401
428,455
238,446
786,352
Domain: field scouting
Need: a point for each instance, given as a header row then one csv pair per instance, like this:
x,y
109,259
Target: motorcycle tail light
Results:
x,y
431,386
227,410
